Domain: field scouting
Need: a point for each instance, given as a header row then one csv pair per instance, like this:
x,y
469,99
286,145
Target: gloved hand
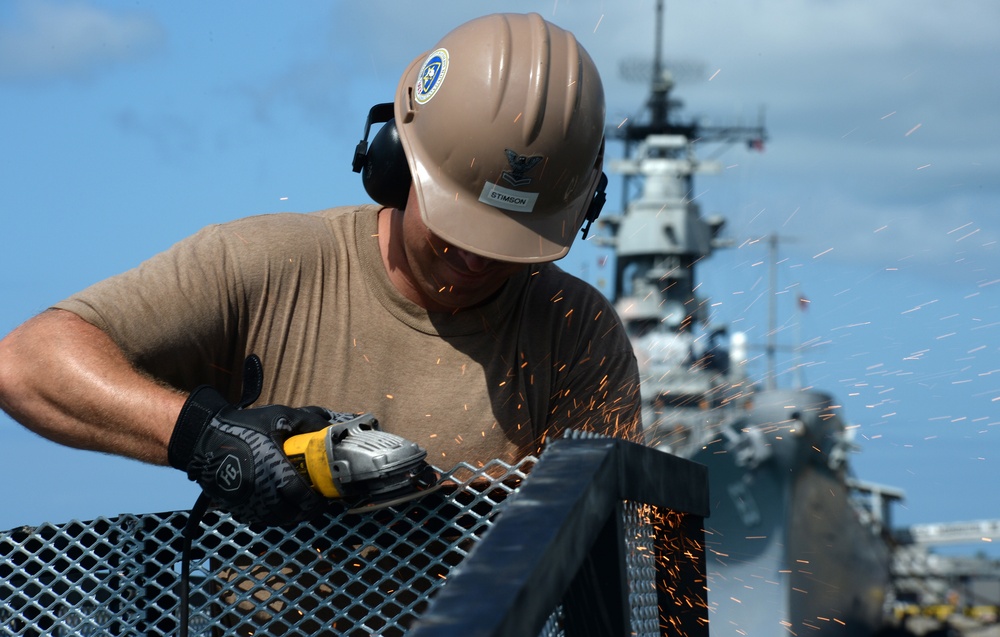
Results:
x,y
236,456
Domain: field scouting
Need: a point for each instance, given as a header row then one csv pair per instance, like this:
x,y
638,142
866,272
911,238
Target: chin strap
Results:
x,y
596,204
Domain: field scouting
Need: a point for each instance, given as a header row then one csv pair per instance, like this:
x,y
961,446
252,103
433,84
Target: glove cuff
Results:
x,y
199,409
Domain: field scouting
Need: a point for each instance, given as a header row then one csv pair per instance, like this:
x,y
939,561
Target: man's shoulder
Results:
x,y
295,221
281,228
558,298
346,212
550,279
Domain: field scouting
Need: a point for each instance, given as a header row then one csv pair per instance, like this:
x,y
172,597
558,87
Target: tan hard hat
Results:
x,y
503,128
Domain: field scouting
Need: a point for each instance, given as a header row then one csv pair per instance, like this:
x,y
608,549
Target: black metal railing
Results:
x,y
563,542
598,537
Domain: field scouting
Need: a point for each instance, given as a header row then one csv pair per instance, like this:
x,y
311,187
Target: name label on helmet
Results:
x,y
500,197
431,76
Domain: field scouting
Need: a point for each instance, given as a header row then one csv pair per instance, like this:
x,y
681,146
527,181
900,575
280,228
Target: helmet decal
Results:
x,y
515,200
431,75
519,164
500,197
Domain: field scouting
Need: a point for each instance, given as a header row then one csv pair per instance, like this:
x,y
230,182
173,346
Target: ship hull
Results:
x,y
788,552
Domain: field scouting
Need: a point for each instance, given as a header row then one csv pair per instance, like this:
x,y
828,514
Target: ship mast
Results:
x,y
661,235
771,348
658,97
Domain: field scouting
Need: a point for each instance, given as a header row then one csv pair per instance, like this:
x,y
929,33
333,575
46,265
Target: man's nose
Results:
x,y
473,262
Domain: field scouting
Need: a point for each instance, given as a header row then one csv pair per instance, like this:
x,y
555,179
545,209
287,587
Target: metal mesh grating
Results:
x,y
349,574
640,558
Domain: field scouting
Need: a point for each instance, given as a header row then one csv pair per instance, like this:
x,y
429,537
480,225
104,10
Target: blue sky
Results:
x,y
126,126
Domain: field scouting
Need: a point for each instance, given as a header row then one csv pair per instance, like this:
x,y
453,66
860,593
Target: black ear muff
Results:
x,y
386,175
384,171
596,204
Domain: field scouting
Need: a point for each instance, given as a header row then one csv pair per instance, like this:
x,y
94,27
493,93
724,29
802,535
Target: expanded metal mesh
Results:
x,y
361,574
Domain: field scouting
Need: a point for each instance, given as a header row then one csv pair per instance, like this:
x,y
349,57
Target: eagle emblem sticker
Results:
x,y
506,198
431,75
519,164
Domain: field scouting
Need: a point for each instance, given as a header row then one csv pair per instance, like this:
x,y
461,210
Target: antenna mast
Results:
x,y
658,105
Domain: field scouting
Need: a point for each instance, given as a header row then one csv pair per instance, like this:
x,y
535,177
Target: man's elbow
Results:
x,y
23,356
13,368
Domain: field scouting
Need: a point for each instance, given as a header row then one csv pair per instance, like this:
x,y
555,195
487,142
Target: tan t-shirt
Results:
x,y
309,294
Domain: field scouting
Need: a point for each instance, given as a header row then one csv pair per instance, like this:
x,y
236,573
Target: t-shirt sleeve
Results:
x,y
173,315
189,315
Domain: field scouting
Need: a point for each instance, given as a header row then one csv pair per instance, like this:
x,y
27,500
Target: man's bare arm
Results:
x,y
67,380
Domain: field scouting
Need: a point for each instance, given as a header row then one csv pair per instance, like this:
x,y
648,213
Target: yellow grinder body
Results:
x,y
308,454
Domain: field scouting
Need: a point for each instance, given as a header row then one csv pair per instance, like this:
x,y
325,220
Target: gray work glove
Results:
x,y
236,454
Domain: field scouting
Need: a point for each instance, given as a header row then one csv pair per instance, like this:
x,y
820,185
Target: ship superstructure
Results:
x,y
791,544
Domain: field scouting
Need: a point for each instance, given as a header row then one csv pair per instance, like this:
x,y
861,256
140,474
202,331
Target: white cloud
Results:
x,y
49,38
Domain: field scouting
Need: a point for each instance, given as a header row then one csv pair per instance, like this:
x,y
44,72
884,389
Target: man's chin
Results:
x,y
463,299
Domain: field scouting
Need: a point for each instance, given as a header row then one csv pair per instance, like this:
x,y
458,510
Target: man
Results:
x,y
438,310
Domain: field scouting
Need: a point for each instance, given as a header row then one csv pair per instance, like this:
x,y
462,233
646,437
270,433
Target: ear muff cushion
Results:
x,y
386,175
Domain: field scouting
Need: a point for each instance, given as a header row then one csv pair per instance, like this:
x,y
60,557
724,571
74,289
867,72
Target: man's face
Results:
x,y
449,278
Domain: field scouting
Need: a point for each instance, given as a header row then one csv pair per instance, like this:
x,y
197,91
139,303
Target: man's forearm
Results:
x,y
66,380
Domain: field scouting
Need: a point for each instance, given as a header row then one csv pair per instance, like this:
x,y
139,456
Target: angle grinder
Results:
x,y
355,461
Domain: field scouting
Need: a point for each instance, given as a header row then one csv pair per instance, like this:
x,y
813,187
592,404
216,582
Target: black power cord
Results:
x,y
191,530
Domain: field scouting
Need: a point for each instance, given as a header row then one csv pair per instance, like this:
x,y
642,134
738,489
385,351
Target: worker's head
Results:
x,y
502,128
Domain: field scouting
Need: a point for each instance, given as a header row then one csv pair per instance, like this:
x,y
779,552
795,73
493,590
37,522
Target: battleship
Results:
x,y
795,542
